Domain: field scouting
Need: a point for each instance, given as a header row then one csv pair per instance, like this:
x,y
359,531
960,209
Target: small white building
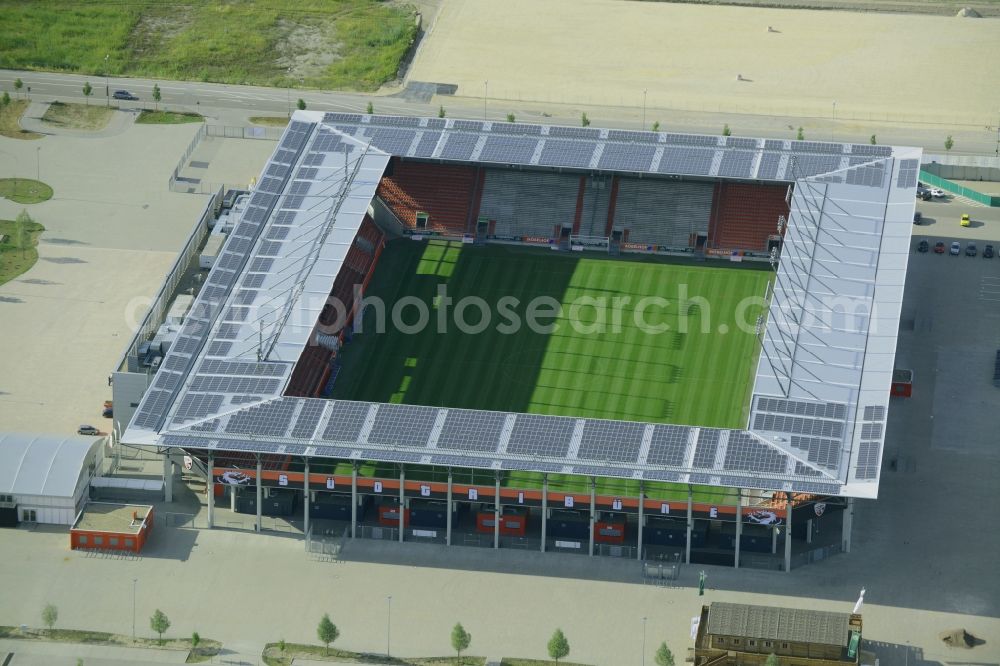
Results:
x,y
44,478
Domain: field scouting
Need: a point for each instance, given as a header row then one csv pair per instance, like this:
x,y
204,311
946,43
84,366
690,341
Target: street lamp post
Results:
x,y
834,109
643,641
388,624
38,163
134,581
643,108
107,80
486,95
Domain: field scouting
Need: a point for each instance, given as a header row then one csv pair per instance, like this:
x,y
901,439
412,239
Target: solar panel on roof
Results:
x,y
692,140
468,125
214,383
516,129
395,121
548,436
741,142
428,142
692,161
561,152
197,406
736,164
308,418
403,425
436,123
746,452
668,445
611,440
459,146
706,448
621,157
633,137
575,132
271,419
508,149
471,430
219,348
342,118
392,141
768,169
346,419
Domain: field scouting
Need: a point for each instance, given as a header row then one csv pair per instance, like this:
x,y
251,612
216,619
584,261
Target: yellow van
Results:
x,y
965,220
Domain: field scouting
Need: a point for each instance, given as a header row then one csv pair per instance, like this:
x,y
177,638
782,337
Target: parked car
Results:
x,y
939,247
956,248
124,94
923,246
923,193
970,250
107,412
917,217
965,221
937,192
88,430
988,252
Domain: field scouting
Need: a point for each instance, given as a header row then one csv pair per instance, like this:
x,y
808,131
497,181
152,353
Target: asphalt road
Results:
x,y
233,104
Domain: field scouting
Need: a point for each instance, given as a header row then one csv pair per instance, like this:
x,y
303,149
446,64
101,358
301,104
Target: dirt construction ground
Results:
x,y
866,66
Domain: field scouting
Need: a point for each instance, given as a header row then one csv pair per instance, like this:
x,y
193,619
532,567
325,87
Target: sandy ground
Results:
x,y
112,231
898,67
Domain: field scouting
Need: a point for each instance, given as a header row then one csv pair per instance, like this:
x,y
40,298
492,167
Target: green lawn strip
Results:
x,y
15,261
24,190
514,661
10,115
274,656
361,41
168,118
272,121
206,650
78,116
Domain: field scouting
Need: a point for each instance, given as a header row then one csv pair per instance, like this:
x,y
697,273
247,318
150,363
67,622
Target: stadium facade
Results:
x,y
240,388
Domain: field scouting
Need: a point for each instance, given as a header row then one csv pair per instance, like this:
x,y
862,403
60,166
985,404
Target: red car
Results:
x,y
939,247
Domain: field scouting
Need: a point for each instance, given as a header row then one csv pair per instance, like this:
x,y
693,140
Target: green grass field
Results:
x,y
693,377
352,44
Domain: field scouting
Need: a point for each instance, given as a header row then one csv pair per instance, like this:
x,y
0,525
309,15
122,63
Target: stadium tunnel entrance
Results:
x,y
664,525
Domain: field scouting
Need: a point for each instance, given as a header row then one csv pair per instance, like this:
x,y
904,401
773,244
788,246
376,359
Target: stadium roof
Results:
x,y
46,465
797,625
820,394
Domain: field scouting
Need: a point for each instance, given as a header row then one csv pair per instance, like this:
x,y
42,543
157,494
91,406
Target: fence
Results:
x,y
158,309
327,548
184,185
234,132
955,188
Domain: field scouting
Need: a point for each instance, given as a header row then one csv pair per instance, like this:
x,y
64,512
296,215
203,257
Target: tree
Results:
x,y
18,84
159,623
281,645
558,645
22,225
327,632
511,118
725,130
800,135
87,92
772,660
460,639
656,125
664,657
370,109
157,96
949,143
50,613
441,113
301,104
584,120
872,140
5,100
195,639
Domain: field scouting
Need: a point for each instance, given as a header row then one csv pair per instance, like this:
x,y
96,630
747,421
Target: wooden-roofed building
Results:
x,y
745,635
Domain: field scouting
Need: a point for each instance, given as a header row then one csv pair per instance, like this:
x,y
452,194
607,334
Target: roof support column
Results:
x,y
690,526
642,501
788,532
402,502
845,534
260,492
354,500
496,513
168,477
447,532
305,499
210,490
545,508
739,526
593,514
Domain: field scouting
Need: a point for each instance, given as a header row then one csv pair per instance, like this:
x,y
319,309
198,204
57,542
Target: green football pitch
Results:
x,y
685,361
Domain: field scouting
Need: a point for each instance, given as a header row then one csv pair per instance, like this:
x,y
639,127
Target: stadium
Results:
x,y
632,344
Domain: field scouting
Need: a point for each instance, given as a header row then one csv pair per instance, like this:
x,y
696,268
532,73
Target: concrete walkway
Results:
x,y
32,121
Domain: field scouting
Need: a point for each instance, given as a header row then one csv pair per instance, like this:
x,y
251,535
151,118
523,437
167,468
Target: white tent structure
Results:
x,y
44,478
